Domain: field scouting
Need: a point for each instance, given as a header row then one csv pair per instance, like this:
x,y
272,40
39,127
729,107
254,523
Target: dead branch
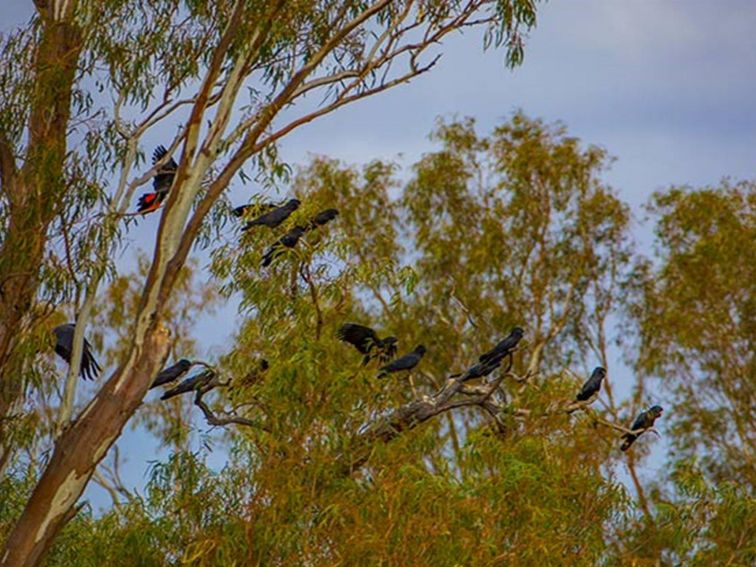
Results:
x,y
416,412
222,420
576,405
105,484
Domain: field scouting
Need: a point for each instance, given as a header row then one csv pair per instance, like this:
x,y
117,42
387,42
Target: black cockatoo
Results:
x,y
172,373
274,216
291,238
479,370
367,342
253,376
406,362
592,387
644,421
161,183
505,346
64,335
288,240
252,208
323,217
206,381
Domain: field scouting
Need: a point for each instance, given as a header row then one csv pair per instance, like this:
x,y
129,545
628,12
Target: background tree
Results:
x,y
696,319
693,310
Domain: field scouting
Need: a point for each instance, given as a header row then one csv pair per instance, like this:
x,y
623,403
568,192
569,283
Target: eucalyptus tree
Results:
x,y
692,306
695,313
229,74
338,456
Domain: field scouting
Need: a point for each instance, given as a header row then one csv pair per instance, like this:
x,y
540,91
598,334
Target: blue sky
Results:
x,y
668,88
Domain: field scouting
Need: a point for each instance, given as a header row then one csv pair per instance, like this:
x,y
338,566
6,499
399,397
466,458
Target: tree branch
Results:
x,y
223,420
414,413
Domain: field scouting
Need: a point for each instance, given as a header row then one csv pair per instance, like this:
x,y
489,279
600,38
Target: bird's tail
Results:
x,y
94,368
148,203
173,392
627,440
159,153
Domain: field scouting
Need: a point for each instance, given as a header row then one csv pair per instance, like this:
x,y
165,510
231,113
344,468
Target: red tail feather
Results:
x,y
148,202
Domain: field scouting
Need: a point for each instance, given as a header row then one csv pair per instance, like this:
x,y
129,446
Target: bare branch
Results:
x,y
414,413
100,479
341,102
576,405
622,429
223,420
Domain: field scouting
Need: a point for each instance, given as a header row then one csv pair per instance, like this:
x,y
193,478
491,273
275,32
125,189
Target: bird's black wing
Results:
x,y
590,388
406,362
163,179
501,349
291,238
64,335
643,421
494,355
323,217
288,240
274,216
172,373
197,382
89,368
64,341
480,370
361,337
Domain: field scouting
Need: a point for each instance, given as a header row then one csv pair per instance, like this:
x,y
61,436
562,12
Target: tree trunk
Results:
x,y
35,191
